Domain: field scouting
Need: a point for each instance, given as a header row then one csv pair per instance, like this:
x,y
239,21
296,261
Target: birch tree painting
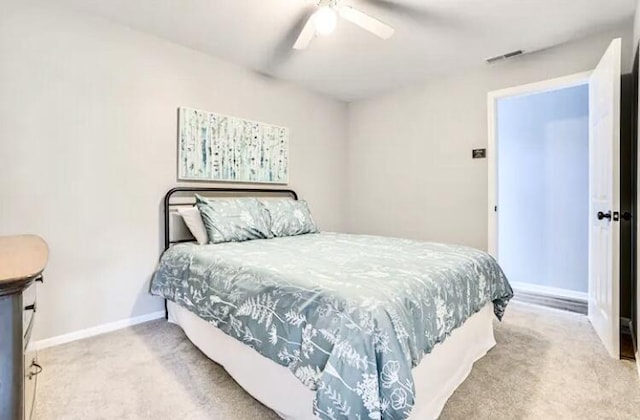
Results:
x,y
214,147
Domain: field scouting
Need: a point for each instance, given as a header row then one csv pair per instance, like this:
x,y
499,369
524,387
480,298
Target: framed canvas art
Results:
x,y
215,147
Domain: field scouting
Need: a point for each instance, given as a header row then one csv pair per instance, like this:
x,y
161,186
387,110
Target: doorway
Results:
x,y
539,189
557,212
543,192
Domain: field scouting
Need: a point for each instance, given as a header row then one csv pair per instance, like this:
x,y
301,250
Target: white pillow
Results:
x,y
192,219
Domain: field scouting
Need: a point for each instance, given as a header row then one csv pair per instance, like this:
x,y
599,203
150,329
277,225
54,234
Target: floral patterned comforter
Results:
x,y
349,315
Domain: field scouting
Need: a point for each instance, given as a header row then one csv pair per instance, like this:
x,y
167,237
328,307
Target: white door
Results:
x,y
604,191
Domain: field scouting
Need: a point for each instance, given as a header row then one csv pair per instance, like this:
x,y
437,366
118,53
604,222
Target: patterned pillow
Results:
x,y
234,220
290,217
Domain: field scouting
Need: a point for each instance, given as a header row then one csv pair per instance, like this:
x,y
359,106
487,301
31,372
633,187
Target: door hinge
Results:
x,y
495,208
616,216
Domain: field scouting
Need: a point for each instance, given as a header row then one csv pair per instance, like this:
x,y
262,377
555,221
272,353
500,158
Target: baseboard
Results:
x,y
97,330
549,291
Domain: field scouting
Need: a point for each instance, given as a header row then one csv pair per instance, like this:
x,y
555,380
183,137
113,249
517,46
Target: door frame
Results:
x,y
572,80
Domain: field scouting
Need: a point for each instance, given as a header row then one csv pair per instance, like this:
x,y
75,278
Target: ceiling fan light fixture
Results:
x,y
325,20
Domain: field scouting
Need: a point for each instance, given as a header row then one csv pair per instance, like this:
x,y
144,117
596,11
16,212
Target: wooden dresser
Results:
x,y
22,260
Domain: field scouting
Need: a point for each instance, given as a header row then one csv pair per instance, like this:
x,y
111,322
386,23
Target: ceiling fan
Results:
x,y
320,17
324,20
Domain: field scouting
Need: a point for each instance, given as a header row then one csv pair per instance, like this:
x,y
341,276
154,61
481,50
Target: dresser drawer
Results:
x,y
22,260
29,304
31,371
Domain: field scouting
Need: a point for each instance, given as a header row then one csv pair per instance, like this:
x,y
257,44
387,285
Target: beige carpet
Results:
x,y
547,365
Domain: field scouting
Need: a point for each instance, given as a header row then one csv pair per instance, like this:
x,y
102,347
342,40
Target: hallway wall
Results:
x,y
543,188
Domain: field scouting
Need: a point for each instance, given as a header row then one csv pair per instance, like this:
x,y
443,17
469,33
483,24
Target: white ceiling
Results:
x,y
445,36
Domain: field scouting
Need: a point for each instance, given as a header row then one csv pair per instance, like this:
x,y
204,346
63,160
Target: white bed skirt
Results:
x,y
436,377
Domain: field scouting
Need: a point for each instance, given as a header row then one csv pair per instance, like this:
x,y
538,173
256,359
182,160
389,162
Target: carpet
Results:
x,y
547,364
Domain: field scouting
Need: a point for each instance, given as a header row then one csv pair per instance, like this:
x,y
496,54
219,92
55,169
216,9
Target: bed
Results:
x,y
333,325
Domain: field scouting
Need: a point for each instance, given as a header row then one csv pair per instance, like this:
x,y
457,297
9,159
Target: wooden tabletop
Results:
x,y
22,257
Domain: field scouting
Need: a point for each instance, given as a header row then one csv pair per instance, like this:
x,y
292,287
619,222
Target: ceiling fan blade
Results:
x,y
306,35
366,22
283,49
416,13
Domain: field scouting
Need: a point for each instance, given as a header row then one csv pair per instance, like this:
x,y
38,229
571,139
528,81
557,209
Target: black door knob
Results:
x,y
602,215
627,216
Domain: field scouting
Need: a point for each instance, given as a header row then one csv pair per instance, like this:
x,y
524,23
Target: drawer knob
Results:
x,y
34,370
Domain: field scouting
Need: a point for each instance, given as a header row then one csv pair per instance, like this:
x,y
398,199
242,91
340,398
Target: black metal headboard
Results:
x,y
168,204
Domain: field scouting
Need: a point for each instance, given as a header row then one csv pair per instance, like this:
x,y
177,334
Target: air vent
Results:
x,y
504,56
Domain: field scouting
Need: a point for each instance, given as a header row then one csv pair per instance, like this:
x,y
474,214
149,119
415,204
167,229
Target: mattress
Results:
x,y
349,315
436,377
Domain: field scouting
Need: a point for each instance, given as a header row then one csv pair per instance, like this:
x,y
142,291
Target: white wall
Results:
x,y
410,167
543,188
88,122
636,26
